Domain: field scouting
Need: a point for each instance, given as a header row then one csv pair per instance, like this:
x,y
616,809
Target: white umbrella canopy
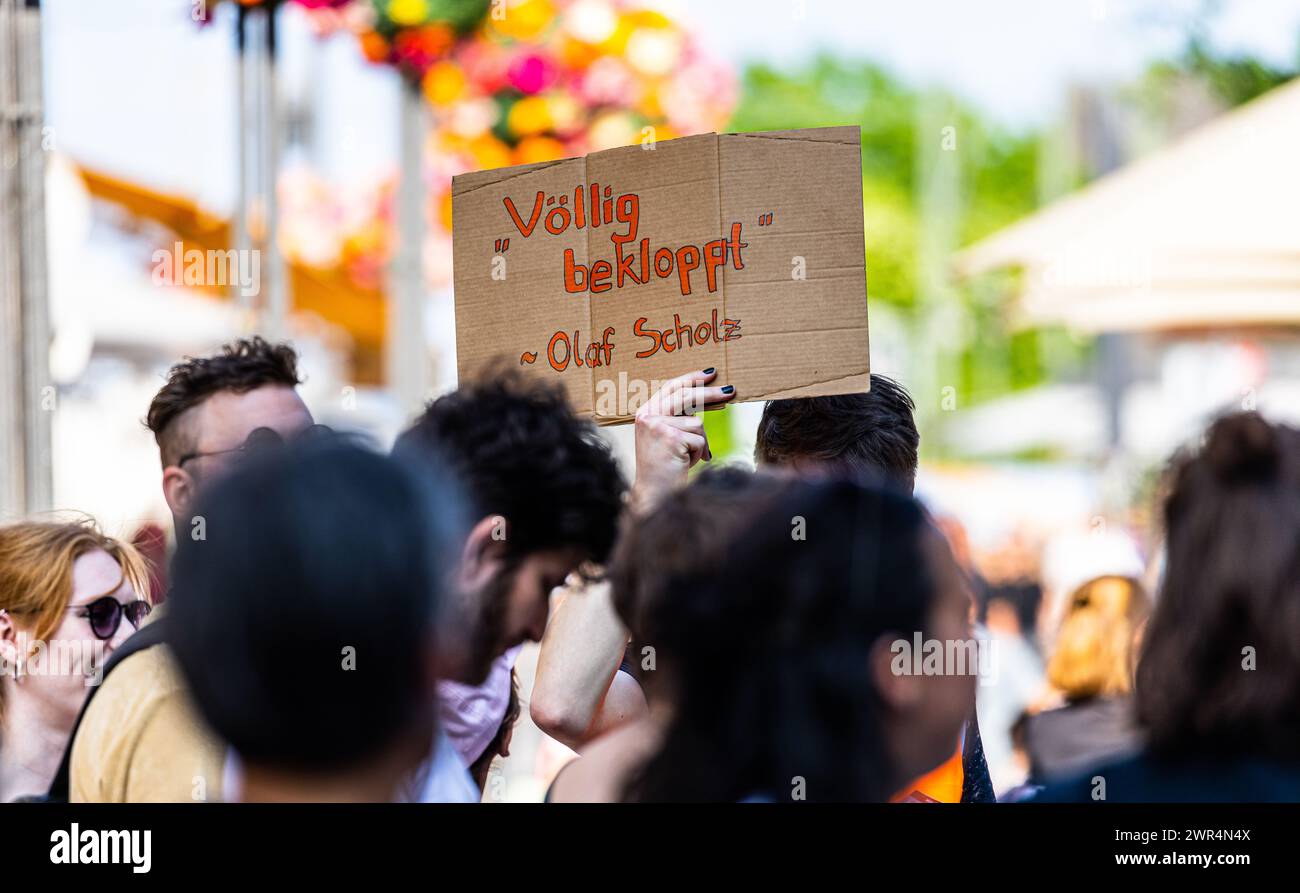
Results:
x,y
1203,233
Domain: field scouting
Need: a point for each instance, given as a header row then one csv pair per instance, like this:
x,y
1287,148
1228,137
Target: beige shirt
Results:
x,y
141,740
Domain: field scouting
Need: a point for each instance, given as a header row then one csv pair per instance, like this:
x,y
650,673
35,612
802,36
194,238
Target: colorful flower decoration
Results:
x,y
509,82
204,9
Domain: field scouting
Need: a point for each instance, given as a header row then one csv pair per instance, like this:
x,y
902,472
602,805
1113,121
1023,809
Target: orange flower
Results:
x,y
538,148
489,152
444,83
373,46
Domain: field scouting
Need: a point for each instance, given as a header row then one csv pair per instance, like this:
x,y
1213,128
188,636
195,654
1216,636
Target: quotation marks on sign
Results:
x,y
501,245
765,219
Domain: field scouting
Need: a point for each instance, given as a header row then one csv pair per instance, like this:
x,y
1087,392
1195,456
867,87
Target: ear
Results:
x,y
178,489
484,553
891,673
8,640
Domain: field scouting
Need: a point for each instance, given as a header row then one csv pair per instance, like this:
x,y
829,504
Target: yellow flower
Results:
x,y
565,112
525,20
630,22
530,115
650,103
408,12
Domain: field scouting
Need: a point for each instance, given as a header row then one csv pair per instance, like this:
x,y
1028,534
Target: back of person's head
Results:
x,y
521,453
240,367
304,619
1220,667
785,654
667,554
872,433
1095,651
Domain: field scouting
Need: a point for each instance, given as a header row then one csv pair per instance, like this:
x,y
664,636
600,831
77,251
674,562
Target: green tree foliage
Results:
x,y
997,184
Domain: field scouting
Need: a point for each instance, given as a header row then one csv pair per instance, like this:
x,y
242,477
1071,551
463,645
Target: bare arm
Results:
x,y
578,693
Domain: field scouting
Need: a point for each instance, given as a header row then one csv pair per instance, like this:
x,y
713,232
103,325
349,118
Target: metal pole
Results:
x,y
27,396
407,354
276,298
239,235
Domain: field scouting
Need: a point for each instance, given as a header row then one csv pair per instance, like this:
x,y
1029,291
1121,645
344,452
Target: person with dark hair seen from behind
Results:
x,y
584,686
663,557
305,622
872,434
1218,680
545,494
807,699
138,739
582,690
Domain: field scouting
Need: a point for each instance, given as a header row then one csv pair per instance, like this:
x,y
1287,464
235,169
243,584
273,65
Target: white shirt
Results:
x,y
444,778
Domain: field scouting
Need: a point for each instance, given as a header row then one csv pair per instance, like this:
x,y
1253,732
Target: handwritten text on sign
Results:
x,y
632,267
636,265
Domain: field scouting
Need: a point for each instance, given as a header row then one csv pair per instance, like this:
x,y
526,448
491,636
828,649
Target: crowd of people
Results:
x,y
342,624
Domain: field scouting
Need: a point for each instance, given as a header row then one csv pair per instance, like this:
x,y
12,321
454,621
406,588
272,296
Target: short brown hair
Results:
x,y
241,366
1232,582
873,433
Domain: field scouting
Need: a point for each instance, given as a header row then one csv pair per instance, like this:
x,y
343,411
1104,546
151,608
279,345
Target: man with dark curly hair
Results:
x,y
545,495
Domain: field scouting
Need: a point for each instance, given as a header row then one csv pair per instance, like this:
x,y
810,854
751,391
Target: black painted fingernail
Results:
x,y
728,389
708,371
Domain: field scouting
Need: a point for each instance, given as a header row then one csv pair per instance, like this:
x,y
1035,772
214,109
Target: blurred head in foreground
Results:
x,y
209,406
305,621
69,596
789,680
872,433
544,492
666,556
1220,668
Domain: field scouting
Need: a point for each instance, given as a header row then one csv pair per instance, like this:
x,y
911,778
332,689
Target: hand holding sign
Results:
x,y
670,438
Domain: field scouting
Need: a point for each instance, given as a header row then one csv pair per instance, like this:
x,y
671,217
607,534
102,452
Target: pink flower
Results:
x,y
531,73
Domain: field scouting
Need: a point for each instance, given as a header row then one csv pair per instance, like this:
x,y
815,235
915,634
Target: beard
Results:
x,y
485,637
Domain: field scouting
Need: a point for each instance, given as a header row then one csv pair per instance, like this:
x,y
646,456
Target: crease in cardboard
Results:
x,y
535,168
722,228
771,395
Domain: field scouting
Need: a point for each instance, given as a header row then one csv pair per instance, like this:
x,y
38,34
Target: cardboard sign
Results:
x,y
617,271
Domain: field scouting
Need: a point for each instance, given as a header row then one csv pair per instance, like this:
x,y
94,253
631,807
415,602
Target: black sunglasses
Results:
x,y
105,615
260,439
